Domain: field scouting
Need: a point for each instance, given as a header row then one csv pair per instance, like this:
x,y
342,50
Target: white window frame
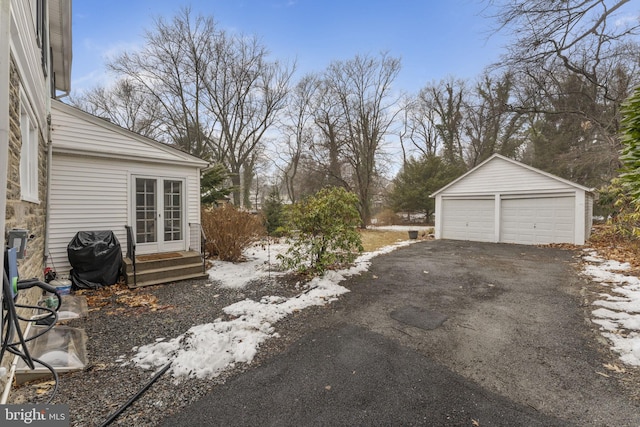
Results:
x,y
29,164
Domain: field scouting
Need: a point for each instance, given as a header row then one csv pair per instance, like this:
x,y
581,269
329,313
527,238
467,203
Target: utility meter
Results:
x,y
18,240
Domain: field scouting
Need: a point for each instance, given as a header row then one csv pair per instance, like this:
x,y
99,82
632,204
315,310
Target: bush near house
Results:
x,y
229,231
325,230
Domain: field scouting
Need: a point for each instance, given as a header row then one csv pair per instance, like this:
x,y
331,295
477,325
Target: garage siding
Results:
x,y
468,219
588,215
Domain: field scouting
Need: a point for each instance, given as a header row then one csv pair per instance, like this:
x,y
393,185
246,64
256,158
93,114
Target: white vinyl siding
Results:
x,y
503,176
588,215
26,50
539,220
468,219
99,137
92,176
93,194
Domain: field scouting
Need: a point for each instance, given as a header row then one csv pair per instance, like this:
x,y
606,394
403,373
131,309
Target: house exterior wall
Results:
x,y
97,137
20,213
91,185
102,202
35,83
25,84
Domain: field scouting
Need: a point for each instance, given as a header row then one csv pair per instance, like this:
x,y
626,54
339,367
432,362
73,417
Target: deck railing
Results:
x,y
131,250
198,242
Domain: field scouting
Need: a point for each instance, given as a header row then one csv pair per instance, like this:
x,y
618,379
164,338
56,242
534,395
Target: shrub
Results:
x,y
622,208
229,231
326,232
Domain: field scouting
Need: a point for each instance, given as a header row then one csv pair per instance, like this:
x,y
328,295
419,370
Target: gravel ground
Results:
x,y
114,329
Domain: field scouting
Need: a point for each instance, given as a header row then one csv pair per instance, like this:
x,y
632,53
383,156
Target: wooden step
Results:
x,y
153,269
162,260
140,284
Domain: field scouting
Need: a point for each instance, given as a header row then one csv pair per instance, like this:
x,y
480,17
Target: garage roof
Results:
x,y
547,178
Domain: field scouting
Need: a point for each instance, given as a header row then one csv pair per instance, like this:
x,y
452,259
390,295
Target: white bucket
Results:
x,y
63,286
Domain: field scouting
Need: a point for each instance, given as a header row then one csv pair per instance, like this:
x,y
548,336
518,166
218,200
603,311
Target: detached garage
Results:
x,y
502,200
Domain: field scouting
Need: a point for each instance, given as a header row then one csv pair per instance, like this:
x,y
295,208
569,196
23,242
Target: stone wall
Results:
x,y
21,214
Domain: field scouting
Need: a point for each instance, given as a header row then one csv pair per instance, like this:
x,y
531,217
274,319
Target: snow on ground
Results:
x,y
207,350
618,311
259,261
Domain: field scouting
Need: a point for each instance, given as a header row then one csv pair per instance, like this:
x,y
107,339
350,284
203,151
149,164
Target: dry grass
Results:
x,y
376,239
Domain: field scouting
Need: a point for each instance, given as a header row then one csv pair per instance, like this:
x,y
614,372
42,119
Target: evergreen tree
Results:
x,y
273,212
630,157
417,180
213,186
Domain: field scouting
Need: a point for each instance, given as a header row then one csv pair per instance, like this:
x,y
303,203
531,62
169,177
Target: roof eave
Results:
x,y
60,40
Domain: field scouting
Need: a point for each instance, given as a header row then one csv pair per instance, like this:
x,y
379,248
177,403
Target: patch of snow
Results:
x,y
618,314
259,261
209,349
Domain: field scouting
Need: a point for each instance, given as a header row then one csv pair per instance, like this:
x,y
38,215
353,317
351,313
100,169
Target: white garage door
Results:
x,y
468,219
538,220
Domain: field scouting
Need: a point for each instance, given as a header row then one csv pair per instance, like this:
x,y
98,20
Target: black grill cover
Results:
x,y
95,258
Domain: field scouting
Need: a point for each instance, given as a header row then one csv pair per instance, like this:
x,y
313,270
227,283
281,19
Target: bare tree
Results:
x,y
297,131
244,92
169,68
217,91
490,125
585,46
125,105
420,126
546,30
330,121
362,87
447,99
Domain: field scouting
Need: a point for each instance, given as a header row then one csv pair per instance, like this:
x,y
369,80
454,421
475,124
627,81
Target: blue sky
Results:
x,y
434,38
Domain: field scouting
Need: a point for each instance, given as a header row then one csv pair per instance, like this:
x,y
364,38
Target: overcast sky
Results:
x,y
434,38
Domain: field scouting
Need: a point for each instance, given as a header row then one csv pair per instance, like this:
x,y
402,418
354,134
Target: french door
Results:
x,y
159,210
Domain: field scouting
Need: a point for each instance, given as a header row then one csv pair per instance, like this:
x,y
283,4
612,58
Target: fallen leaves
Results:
x,y
614,368
44,387
121,300
612,246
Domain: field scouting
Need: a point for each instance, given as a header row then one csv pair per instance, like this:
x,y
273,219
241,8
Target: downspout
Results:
x,y
47,211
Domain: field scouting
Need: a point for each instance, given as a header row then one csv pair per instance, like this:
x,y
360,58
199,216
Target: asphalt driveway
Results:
x,y
437,333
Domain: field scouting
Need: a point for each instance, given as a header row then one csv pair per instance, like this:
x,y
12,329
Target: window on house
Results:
x,y
28,155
